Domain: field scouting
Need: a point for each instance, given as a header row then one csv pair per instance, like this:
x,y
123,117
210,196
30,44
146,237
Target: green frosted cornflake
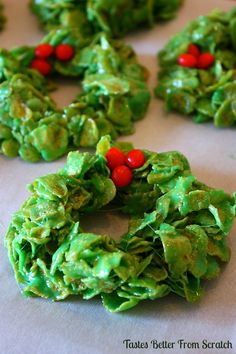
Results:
x,y
90,133
10,147
78,164
29,153
34,104
177,249
106,84
176,236
199,243
5,132
226,114
115,303
50,140
138,102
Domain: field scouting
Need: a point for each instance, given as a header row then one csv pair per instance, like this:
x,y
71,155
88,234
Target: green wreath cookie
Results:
x,y
116,18
198,70
114,94
176,237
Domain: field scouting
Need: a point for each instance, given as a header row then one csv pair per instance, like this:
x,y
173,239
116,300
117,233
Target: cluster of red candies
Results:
x,y
122,165
195,59
44,51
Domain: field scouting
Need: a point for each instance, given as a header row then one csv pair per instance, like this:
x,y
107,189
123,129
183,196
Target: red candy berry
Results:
x,y
122,176
42,66
135,158
43,50
194,50
115,157
64,52
187,60
205,61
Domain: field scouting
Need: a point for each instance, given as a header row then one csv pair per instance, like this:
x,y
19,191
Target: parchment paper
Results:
x,y
33,326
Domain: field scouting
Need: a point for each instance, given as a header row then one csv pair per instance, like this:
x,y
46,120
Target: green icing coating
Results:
x,y
114,95
176,237
205,95
91,16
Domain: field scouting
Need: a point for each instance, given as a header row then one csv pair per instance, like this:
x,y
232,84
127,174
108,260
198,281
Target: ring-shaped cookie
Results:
x,y
197,70
114,95
91,16
176,237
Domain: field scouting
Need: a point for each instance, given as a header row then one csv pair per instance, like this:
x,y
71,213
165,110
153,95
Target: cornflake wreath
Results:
x,y
90,16
175,240
114,94
197,74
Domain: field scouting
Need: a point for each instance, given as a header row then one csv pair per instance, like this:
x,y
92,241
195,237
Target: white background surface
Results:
x,y
39,326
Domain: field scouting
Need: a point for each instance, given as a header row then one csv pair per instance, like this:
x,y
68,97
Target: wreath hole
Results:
x,y
66,90
106,222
